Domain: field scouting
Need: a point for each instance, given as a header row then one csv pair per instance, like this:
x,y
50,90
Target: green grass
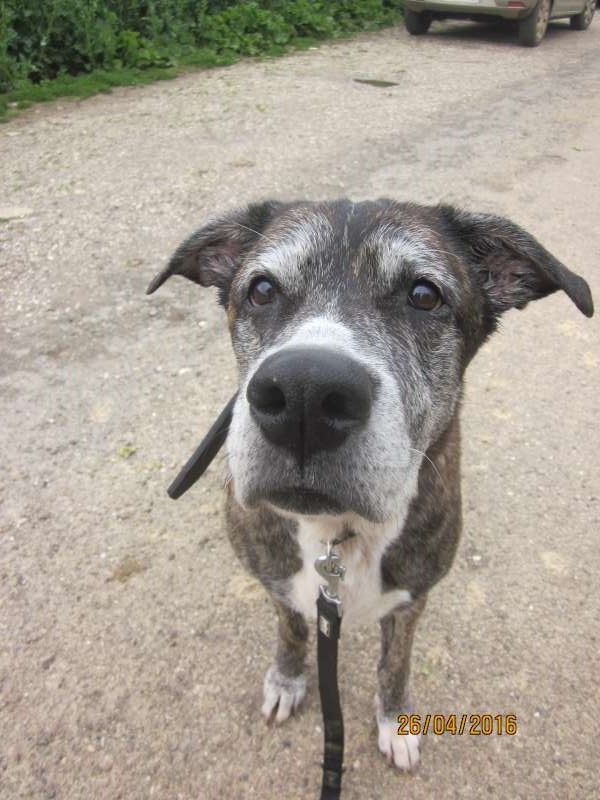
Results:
x,y
83,86
26,93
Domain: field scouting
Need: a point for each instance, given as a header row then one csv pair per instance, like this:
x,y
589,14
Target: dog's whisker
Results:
x,y
436,470
257,233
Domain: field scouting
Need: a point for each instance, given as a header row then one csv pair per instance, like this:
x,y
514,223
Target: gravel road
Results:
x,y
132,645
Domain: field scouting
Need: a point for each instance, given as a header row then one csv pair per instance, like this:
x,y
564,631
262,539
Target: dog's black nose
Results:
x,y
310,399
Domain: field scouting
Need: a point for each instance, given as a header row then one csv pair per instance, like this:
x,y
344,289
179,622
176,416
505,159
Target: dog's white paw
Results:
x,y
400,750
281,695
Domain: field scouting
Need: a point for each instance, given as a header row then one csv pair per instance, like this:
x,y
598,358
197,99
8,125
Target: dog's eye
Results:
x,y
261,292
424,296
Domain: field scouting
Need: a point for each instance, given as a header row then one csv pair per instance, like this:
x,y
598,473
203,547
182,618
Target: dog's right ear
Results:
x,y
211,255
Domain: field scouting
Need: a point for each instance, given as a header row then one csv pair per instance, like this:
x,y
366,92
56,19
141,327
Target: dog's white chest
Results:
x,y
361,591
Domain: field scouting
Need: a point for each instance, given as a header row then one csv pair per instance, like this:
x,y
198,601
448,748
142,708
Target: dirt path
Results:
x,y
132,646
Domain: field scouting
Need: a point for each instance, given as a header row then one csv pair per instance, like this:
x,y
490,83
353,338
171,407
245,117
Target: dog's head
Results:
x,y
352,324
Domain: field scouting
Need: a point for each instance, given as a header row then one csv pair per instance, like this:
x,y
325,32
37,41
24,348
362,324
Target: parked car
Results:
x,y
532,16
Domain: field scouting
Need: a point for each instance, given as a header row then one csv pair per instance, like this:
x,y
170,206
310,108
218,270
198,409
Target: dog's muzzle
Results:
x,y
310,399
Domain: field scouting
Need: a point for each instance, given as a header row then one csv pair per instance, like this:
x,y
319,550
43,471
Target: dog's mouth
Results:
x,y
302,500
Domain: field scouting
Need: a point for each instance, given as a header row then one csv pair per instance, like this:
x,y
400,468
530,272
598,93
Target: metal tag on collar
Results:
x,y
330,567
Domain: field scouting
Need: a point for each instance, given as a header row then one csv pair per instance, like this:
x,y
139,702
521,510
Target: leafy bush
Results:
x,y
42,39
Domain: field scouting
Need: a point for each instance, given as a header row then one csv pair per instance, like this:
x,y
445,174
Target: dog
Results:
x,y
352,325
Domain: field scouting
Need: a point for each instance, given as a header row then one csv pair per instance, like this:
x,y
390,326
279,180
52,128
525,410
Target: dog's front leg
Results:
x,y
285,683
397,631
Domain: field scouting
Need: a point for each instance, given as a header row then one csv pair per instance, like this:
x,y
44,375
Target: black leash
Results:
x,y
204,454
329,623
333,722
329,611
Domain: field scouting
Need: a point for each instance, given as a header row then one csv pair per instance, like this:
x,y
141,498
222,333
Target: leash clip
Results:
x,y
330,567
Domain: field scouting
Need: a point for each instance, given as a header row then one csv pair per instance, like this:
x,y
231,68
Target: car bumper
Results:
x,y
464,8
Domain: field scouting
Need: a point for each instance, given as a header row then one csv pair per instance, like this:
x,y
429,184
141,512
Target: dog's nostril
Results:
x,y
273,400
270,399
352,405
336,405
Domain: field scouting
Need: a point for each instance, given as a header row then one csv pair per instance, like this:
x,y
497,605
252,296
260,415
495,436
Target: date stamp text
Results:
x,y
457,724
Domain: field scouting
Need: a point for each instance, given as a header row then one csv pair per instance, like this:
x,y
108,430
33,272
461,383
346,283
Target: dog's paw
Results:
x,y
401,751
282,695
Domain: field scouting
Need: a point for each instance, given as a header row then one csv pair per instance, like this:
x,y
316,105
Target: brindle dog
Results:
x,y
352,325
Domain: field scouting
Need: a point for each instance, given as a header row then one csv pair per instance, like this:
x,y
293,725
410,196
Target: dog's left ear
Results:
x,y
513,267
211,255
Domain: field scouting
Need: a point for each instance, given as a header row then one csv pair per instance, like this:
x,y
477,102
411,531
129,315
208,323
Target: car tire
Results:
x,y
582,21
533,28
417,23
